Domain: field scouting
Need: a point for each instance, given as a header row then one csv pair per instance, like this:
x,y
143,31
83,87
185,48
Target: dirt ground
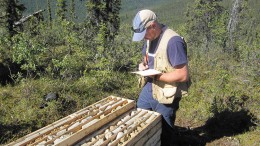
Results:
x,y
217,130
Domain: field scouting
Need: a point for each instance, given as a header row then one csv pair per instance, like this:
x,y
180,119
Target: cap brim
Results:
x,y
139,36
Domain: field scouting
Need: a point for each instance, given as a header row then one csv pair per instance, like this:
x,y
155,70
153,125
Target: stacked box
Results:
x,y
111,121
136,127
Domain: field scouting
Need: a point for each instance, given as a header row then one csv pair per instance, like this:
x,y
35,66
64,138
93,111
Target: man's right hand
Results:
x,y
142,66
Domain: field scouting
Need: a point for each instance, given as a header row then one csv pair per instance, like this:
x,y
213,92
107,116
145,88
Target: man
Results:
x,y
164,50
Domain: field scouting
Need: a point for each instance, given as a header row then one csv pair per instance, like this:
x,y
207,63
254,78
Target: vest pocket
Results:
x,y
169,91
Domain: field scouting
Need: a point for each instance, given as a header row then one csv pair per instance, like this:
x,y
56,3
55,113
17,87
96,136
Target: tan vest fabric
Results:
x,y
165,92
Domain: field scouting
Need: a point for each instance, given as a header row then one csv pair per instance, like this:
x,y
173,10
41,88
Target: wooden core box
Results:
x,y
111,121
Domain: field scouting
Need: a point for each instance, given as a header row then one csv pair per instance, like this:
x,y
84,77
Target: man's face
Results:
x,y
150,33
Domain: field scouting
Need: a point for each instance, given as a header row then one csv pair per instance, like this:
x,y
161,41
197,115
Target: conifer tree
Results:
x,y
11,12
206,23
72,10
105,15
61,9
243,32
103,25
49,11
239,26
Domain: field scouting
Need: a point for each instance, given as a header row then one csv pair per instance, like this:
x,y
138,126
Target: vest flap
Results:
x,y
169,92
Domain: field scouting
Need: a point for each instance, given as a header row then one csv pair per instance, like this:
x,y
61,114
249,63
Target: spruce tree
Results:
x,y
72,10
243,32
240,27
61,9
206,23
103,25
11,12
49,12
104,16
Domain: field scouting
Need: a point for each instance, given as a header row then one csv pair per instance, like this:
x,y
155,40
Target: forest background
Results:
x,y
72,53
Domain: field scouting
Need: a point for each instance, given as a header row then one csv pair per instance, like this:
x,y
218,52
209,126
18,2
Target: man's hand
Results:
x,y
142,67
155,77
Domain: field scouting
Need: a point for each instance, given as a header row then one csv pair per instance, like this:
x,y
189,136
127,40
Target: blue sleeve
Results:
x,y
176,51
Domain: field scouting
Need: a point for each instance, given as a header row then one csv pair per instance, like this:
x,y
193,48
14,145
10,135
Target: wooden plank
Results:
x,y
138,114
28,138
47,129
127,123
91,120
52,132
145,129
154,139
158,143
147,136
103,129
83,132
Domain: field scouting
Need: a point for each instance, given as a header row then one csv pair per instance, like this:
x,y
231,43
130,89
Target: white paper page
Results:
x,y
148,72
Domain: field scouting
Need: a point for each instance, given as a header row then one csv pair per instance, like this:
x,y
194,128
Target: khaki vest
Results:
x,y
166,92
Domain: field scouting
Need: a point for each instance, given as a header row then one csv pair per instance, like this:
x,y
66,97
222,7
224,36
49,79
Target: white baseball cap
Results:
x,y
141,21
